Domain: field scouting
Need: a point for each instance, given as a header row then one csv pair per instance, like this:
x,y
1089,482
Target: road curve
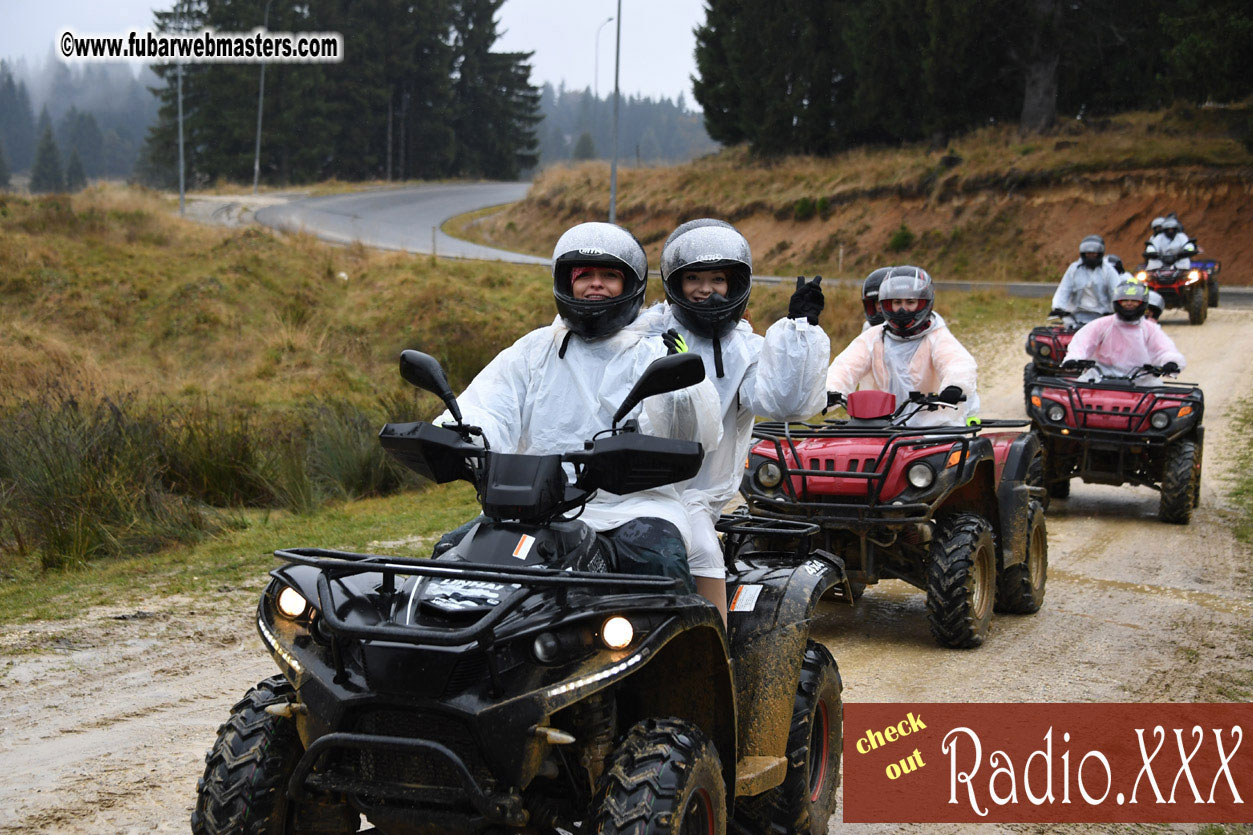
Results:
x,y
406,219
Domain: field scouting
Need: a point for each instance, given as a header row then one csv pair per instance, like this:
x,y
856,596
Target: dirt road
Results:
x,y
104,720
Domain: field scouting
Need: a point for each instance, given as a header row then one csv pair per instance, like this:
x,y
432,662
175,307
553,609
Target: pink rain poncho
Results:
x,y
1119,347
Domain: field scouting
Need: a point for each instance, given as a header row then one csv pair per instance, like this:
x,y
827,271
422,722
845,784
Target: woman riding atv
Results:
x,y
563,382
912,351
706,268
1126,341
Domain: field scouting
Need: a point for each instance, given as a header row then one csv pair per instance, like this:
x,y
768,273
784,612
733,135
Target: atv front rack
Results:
x,y
870,512
1137,414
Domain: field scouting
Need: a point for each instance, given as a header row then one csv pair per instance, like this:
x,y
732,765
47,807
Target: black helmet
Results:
x,y
599,245
870,295
1115,262
1134,291
707,244
1092,250
907,283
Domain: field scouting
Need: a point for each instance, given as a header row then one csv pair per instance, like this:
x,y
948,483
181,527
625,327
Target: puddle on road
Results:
x,y
1199,598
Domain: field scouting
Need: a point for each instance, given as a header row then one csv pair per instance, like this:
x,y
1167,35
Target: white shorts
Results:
x,y
704,556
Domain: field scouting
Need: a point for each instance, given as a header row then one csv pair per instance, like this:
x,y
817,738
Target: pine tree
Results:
x,y
17,124
584,148
45,175
4,168
75,178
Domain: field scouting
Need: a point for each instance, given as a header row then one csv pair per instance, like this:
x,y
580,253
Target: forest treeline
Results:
x,y
421,93
819,76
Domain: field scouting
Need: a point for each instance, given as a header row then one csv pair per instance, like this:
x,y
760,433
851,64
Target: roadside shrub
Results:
x,y
345,459
901,239
804,209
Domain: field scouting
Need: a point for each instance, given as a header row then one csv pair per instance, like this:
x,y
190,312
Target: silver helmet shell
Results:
x,y
907,282
597,244
708,244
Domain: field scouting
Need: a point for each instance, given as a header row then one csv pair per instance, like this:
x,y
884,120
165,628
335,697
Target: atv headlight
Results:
x,y
768,475
617,632
1055,412
546,648
1142,276
920,475
1045,350
292,603
1194,276
1159,420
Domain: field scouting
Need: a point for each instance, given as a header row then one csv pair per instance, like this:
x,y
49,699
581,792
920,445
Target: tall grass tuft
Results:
x,y
82,479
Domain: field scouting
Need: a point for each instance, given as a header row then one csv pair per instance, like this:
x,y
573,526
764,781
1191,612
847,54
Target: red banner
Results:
x,y
1047,763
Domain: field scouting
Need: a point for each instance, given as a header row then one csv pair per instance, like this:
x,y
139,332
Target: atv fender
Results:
x,y
1013,497
768,638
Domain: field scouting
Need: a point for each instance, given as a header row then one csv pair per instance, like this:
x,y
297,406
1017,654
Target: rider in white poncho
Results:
x,y
706,268
559,385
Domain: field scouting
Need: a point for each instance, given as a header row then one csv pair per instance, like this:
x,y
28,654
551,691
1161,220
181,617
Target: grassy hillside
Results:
x,y
989,206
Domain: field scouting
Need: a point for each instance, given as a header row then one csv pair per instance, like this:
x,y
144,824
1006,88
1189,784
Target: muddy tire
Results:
x,y
1198,307
1211,292
1196,490
244,787
805,801
1179,481
961,581
1029,375
1020,588
1035,477
665,778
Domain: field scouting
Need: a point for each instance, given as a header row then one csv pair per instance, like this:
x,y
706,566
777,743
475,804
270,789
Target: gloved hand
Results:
x,y
807,301
1058,312
951,395
834,398
1170,368
1070,364
675,343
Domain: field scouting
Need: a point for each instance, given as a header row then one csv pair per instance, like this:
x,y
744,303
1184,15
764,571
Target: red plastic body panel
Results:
x,y
869,404
848,455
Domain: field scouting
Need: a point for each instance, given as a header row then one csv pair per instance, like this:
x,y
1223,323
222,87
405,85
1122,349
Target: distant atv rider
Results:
x,y
706,269
560,384
1170,246
870,297
1086,291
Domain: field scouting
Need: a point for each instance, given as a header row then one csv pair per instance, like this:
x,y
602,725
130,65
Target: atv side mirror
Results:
x,y
669,373
424,371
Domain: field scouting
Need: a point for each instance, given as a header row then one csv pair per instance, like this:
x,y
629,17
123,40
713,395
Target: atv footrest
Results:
x,y
754,775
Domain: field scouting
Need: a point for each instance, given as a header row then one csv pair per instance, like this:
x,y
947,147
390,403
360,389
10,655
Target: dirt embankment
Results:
x,y
1006,228
104,718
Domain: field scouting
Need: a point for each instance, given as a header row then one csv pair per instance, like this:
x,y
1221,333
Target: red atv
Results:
x,y
1194,289
1047,346
1114,431
953,510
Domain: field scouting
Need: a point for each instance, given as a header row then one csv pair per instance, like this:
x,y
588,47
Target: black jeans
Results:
x,y
647,546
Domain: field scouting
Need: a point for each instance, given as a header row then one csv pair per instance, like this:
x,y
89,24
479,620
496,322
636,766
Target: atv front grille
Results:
x,y
418,768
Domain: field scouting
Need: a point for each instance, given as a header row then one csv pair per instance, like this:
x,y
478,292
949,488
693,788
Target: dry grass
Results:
x,y
989,207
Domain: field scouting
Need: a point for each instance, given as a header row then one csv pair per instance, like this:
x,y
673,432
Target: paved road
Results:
x,y
406,219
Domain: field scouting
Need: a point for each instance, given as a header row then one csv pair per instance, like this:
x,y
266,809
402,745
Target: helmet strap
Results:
x,y
565,343
718,358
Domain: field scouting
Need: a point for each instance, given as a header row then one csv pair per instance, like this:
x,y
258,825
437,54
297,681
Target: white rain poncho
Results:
x,y
1119,347
1087,292
1168,245
780,376
529,400
928,362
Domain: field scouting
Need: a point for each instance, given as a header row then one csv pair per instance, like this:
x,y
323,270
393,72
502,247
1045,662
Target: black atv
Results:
x,y
517,683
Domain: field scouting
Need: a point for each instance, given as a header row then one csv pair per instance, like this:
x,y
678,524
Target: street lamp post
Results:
x,y
596,64
256,157
613,166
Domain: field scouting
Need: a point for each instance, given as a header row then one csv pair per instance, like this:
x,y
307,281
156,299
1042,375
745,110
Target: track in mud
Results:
x,y
104,720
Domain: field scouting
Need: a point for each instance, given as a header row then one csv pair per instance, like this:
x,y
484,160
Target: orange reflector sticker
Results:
x,y
954,457
1185,411
1035,400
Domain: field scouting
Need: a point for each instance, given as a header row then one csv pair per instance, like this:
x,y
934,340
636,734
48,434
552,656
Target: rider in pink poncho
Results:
x,y
1121,343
